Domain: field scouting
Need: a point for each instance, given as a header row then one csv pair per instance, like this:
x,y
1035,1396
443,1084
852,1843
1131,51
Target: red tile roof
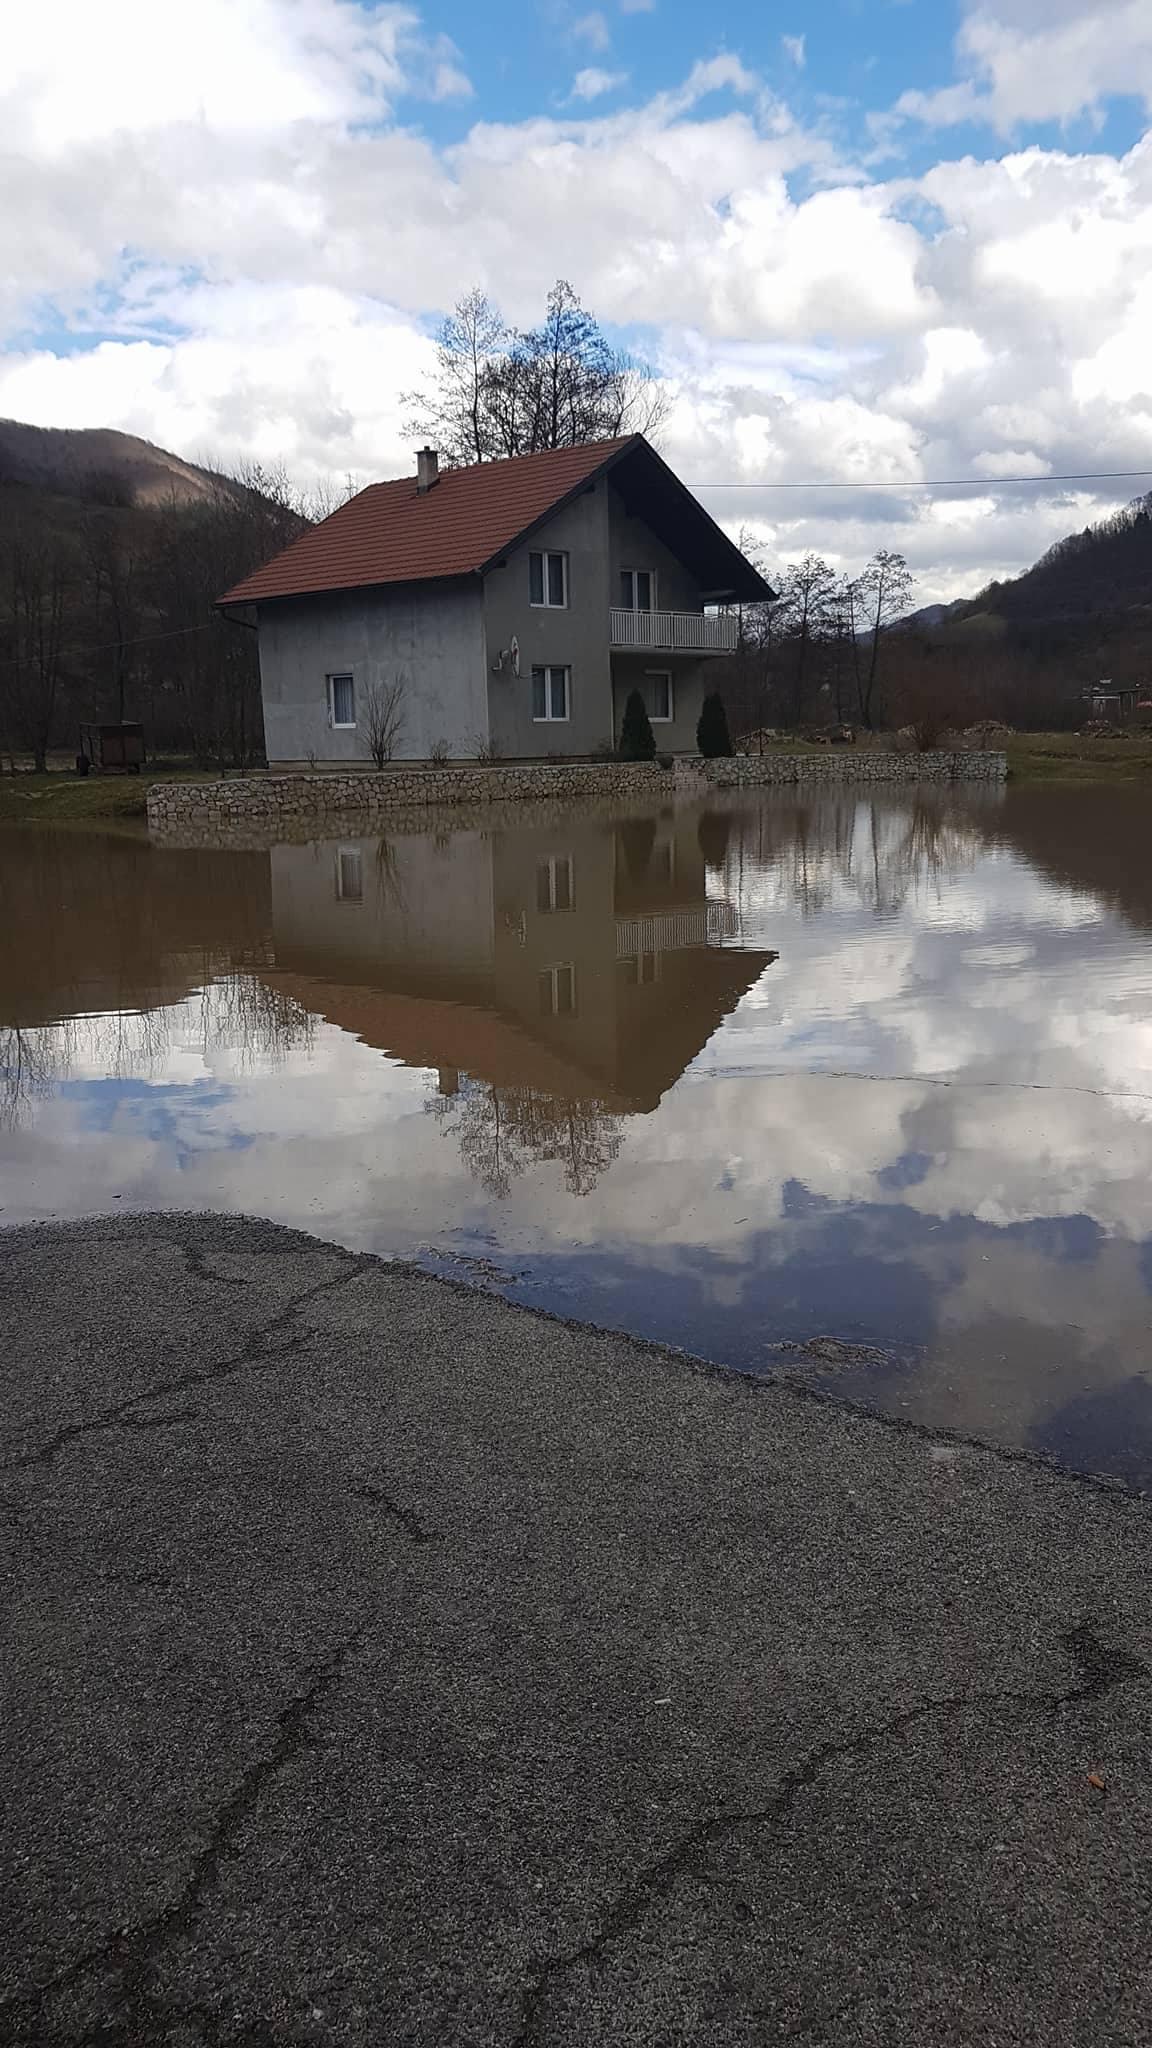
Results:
x,y
392,533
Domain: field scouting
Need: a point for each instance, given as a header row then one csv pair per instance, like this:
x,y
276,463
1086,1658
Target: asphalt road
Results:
x,y
385,1665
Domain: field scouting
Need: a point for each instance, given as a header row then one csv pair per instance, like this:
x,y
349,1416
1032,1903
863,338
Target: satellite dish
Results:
x,y
514,651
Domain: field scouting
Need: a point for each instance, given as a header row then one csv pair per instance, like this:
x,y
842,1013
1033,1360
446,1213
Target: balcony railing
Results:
x,y
671,931
673,632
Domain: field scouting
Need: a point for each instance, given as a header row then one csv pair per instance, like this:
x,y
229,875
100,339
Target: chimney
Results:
x,y
427,469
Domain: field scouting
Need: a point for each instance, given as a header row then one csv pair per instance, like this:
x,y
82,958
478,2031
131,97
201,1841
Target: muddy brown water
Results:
x,y
853,1087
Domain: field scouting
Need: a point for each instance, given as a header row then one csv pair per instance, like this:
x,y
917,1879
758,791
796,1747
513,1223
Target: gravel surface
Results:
x,y
387,1665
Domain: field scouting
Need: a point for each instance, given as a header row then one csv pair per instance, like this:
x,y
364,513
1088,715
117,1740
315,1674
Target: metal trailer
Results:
x,y
108,749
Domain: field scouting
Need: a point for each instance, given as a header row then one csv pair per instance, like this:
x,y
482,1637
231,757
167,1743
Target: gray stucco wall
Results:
x,y
575,637
633,545
600,538
433,634
430,914
690,681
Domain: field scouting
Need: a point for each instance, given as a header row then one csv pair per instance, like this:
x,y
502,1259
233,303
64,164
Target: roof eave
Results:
x,y
230,602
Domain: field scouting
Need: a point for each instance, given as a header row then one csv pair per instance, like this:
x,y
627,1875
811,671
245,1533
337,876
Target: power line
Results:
x,y
946,483
107,646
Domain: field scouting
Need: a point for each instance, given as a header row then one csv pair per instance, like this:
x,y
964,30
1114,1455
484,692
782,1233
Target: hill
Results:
x,y
112,553
1100,573
100,465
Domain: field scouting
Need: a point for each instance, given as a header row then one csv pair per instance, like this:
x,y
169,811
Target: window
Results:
x,y
548,580
640,970
660,709
549,694
349,874
558,991
554,883
341,701
638,590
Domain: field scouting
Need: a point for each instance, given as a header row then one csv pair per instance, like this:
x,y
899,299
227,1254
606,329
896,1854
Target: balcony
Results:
x,y
671,931
673,632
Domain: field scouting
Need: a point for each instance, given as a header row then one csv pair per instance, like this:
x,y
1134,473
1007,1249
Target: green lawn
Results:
x,y
1071,757
64,797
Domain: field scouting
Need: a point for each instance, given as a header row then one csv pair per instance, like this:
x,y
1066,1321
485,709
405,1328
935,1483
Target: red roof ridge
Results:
x,y
391,532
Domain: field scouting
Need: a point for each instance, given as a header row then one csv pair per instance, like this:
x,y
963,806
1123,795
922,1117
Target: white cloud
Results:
x,y
1028,63
795,49
272,265
592,84
73,74
592,29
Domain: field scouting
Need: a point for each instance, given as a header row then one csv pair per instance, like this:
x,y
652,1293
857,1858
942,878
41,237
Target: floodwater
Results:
x,y
854,1087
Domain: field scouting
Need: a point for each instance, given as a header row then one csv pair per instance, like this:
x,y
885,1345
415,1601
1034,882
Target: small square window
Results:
x,y
341,701
548,580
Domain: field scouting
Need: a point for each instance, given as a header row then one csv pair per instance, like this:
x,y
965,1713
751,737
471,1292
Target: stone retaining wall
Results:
x,y
267,799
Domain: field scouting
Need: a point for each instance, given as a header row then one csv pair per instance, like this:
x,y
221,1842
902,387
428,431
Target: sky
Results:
x,y
860,241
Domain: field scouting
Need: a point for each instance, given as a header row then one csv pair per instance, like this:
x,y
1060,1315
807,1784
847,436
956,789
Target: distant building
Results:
x,y
1107,699
515,604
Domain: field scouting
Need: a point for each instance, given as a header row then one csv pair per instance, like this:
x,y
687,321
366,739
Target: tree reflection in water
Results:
x,y
239,1013
501,1132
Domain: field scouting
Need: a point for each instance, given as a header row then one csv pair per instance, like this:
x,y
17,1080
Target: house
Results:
x,y
510,606
1107,699
585,960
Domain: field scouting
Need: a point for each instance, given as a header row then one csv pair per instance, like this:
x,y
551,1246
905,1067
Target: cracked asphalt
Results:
x,y
385,1664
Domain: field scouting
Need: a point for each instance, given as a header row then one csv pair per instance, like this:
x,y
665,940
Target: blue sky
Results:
x,y
859,241
835,62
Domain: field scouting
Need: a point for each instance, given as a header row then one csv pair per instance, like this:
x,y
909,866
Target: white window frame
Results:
x,y
354,854
548,669
551,866
653,592
341,675
664,717
551,975
646,968
544,556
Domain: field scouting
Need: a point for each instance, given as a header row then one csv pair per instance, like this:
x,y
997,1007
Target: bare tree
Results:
x,y
809,587
114,568
455,413
37,573
882,594
386,718
497,392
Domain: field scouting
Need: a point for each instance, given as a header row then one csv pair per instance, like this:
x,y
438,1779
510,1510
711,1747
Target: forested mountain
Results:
x,y
112,553
1105,570
98,465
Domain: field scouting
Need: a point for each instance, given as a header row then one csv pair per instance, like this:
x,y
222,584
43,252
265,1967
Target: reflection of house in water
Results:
x,y
581,959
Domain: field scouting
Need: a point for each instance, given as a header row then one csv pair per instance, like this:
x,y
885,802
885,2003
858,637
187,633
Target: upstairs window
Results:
x,y
548,580
549,695
638,590
341,701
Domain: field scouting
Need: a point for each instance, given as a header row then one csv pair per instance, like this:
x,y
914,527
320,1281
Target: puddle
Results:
x,y
850,1085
